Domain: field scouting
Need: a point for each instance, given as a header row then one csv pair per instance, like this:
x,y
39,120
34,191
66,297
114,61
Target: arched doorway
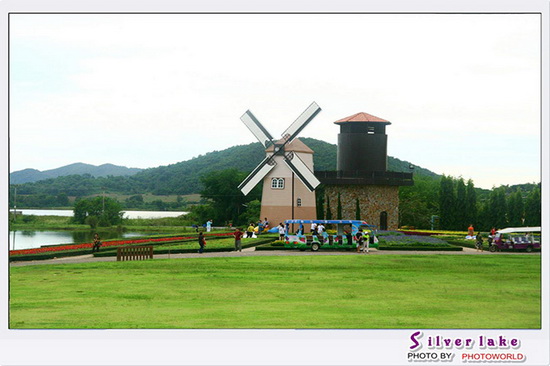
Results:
x,y
383,220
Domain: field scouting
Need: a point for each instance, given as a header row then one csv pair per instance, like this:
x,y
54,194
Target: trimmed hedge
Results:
x,y
413,248
158,251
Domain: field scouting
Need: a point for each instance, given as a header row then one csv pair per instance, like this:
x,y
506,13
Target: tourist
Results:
x,y
238,235
471,230
250,230
281,231
202,242
266,224
97,243
313,228
209,225
359,240
349,237
320,229
479,242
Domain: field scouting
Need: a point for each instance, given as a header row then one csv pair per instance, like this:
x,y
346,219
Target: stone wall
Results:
x,y
373,199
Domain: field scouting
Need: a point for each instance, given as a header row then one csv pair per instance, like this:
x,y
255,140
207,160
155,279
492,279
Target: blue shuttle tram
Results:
x,y
343,239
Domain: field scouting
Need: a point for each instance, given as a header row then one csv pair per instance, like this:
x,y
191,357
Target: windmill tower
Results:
x,y
286,171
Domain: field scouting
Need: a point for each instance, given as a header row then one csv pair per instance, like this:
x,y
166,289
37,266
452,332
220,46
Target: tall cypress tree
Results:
x,y
471,204
328,216
515,209
533,208
339,208
447,201
357,210
497,208
461,210
320,206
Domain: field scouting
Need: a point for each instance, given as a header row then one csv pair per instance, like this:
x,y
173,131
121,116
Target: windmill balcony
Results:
x,y
363,177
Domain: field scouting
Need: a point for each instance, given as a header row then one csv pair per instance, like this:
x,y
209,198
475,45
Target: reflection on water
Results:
x,y
27,239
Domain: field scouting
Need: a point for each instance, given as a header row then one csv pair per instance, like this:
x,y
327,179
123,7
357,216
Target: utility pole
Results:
x,y
15,204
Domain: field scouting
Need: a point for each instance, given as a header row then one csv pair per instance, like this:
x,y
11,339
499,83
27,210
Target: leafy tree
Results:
x,y
533,208
252,212
107,211
417,203
134,201
228,202
199,214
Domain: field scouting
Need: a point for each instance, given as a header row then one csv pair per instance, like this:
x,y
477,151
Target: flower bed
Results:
x,y
432,232
413,242
78,249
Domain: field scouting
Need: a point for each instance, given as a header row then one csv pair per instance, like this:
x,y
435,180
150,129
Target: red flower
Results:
x,y
59,248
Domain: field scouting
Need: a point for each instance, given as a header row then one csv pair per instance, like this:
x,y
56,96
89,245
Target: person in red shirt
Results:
x,y
238,235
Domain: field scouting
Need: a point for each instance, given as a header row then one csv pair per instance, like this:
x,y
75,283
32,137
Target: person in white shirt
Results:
x,y
281,232
320,229
314,228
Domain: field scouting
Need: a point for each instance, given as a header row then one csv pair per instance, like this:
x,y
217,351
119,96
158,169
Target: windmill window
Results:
x,y
277,183
299,202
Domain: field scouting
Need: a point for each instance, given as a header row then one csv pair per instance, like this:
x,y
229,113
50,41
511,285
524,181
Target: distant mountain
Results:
x,y
184,177
33,175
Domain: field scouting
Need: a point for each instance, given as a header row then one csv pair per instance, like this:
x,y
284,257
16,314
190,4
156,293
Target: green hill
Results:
x,y
184,177
104,170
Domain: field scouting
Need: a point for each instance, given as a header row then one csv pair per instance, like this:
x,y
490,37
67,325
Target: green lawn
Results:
x,y
371,292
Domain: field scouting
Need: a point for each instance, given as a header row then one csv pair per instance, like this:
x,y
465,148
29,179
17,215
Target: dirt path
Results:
x,y
251,252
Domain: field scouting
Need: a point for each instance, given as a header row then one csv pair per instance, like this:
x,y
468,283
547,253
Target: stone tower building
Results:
x,y
362,179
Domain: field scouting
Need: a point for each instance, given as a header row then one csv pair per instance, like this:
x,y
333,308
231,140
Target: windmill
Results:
x,y
279,151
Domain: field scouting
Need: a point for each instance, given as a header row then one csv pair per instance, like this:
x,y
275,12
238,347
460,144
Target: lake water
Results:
x,y
127,214
28,239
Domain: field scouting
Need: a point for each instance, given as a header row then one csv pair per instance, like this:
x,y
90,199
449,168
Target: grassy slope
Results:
x,y
394,291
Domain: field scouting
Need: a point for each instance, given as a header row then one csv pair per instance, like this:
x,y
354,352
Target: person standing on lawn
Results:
x,y
202,242
479,242
359,240
250,230
238,235
208,225
97,243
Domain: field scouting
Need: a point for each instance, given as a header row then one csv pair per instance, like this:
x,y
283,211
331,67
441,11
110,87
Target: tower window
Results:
x,y
277,183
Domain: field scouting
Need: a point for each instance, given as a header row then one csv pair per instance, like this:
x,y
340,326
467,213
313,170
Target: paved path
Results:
x,y
251,252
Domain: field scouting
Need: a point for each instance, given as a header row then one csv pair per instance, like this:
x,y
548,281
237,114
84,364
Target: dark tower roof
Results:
x,y
362,117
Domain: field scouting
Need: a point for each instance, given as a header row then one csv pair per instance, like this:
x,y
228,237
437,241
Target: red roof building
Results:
x,y
362,117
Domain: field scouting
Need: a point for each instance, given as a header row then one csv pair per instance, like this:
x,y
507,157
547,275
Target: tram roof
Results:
x,y
342,222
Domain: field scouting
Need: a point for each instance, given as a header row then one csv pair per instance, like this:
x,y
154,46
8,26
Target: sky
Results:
x,y
462,91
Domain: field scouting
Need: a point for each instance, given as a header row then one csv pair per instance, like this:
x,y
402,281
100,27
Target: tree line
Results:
x,y
450,203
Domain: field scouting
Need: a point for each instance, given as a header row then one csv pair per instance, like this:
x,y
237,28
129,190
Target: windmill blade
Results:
x,y
302,171
257,129
257,175
302,121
